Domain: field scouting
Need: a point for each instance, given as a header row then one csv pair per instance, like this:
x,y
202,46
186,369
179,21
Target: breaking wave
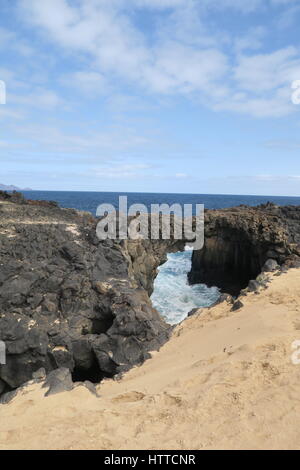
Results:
x,y
173,297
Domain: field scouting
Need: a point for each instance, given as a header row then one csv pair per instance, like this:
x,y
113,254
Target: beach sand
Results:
x,y
225,380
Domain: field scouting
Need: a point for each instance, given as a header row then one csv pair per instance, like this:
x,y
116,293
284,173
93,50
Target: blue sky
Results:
x,y
151,95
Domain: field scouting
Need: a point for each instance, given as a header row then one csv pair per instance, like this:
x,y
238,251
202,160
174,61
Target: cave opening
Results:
x,y
101,325
92,374
228,262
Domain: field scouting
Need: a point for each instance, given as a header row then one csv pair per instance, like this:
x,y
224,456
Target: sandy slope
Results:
x,y
225,380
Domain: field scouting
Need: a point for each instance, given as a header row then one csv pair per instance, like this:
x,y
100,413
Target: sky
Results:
x,y
181,96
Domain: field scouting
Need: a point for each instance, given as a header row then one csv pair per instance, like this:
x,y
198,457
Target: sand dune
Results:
x,y
225,380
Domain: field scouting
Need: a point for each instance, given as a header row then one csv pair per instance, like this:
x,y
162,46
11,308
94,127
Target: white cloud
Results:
x,y
118,47
277,178
97,143
289,17
251,40
283,145
8,113
179,68
262,84
11,41
158,4
209,65
277,105
6,75
181,175
88,82
120,171
283,2
239,5
5,36
38,98
265,72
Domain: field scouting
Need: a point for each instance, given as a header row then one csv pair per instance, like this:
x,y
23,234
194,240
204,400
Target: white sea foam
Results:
x,y
173,297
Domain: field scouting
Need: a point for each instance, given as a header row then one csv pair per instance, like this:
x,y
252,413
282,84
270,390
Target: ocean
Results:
x,y
89,201
173,297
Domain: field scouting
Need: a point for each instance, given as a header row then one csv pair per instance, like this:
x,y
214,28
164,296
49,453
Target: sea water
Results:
x,y
173,297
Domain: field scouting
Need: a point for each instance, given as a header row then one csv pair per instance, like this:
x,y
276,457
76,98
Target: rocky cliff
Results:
x,y
238,242
68,300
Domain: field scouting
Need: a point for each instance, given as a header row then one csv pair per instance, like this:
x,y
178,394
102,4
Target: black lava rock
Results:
x,y
237,305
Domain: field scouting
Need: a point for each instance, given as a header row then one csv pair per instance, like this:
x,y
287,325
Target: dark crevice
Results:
x,y
93,373
101,325
227,263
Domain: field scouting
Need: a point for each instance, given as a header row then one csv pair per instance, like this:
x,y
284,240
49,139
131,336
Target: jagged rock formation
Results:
x,y
68,300
238,242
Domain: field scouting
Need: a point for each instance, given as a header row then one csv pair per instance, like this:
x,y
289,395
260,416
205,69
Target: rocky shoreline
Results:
x,y
240,240
69,302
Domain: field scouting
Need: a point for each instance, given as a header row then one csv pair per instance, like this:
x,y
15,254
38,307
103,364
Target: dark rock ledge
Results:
x,y
71,302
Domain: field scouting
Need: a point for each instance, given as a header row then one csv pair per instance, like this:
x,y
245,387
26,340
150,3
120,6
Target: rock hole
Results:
x,y
93,373
101,325
227,262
